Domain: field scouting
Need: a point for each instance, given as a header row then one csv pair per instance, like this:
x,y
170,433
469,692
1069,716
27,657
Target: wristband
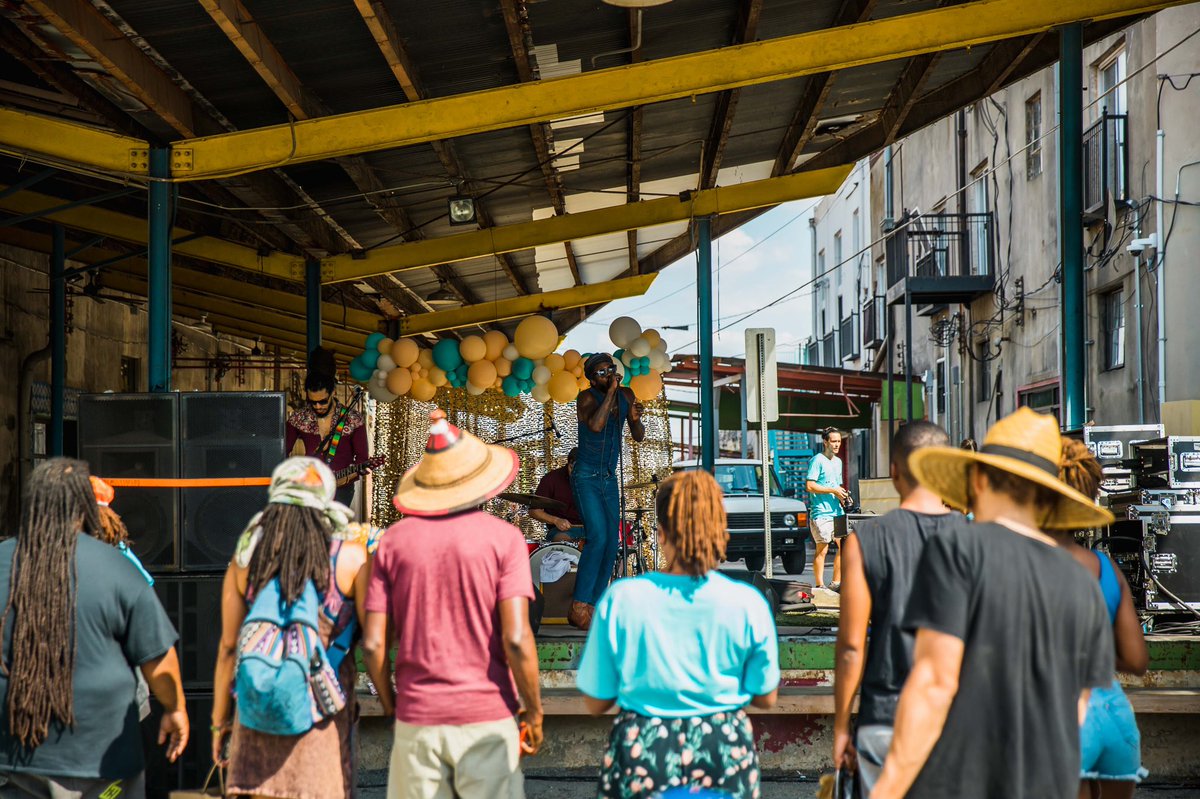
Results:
x,y
219,727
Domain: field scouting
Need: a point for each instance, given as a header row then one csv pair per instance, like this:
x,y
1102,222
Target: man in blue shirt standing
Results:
x,y
825,498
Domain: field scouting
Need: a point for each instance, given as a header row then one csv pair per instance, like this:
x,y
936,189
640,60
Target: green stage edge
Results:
x,y
1167,653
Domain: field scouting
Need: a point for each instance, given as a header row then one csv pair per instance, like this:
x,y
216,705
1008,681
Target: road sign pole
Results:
x,y
762,382
764,451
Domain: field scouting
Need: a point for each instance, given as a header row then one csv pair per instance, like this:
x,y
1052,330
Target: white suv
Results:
x,y
741,481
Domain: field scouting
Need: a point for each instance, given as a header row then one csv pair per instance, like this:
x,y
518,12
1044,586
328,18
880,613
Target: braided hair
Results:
x,y
112,529
41,598
691,515
294,547
1078,468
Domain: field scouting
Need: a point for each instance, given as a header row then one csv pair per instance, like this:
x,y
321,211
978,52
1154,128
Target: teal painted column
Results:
x,y
58,339
312,298
159,272
704,328
1070,235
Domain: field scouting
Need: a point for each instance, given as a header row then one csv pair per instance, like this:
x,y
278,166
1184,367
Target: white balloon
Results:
x,y
540,393
541,375
510,352
661,346
385,364
626,357
639,347
475,390
659,362
379,376
380,394
620,369
623,330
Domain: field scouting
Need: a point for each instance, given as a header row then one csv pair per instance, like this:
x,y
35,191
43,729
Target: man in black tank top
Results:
x,y
878,563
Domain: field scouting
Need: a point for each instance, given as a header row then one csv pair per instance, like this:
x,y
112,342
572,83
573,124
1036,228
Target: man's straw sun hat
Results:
x,y
457,472
1026,444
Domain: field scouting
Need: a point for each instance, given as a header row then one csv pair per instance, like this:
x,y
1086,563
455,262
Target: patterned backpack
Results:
x,y
285,682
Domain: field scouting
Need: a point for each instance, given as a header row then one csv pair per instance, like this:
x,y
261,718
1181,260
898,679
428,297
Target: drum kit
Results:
x,y
554,563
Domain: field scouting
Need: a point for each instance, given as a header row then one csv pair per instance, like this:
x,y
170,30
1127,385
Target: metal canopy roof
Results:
x,y
165,70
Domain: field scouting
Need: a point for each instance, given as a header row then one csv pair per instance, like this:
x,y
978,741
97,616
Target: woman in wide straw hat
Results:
x,y
1011,634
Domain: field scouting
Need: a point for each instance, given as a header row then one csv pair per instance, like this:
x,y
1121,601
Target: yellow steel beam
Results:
x,y
22,133
570,227
232,310
870,42
577,297
134,229
334,317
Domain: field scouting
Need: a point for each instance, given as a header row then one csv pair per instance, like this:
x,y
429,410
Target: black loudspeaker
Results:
x,y
193,603
190,771
136,435
225,434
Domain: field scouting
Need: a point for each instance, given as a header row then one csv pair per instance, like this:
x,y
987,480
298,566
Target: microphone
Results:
x,y
554,427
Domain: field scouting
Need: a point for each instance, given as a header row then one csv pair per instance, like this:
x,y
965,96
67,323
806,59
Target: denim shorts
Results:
x,y
1110,743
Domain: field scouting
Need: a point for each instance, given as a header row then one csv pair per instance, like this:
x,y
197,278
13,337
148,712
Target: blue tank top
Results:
x,y
1110,587
598,452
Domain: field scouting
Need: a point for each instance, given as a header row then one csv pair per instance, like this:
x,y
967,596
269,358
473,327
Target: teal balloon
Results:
x,y
628,376
369,358
645,361
522,368
617,355
372,343
360,371
445,355
527,385
511,386
461,372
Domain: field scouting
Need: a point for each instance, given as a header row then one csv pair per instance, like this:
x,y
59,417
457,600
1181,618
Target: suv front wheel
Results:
x,y
755,563
795,561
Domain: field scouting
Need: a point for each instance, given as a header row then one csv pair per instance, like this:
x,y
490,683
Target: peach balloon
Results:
x,y
503,367
555,362
405,352
385,346
425,358
423,391
482,373
472,349
536,337
399,381
438,377
496,341
563,387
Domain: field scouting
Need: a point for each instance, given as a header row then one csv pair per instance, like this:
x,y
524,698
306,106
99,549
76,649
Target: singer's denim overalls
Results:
x,y
594,483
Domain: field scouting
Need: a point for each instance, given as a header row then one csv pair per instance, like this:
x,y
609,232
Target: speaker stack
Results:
x,y
185,536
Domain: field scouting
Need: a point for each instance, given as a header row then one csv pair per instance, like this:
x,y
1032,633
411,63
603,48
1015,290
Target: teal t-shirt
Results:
x,y
827,473
672,645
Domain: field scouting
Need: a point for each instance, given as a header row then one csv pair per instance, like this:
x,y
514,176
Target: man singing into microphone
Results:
x,y
603,409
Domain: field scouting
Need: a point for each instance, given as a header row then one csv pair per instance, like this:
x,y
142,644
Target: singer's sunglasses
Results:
x,y
604,371
319,403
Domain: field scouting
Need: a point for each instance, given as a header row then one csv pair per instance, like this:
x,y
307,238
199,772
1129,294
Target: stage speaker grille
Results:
x,y
135,435
193,603
226,434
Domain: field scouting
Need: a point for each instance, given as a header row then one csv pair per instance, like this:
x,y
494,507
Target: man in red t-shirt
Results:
x,y
566,525
456,586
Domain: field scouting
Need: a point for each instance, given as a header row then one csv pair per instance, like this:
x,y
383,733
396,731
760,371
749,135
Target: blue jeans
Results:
x,y
872,742
600,505
1110,744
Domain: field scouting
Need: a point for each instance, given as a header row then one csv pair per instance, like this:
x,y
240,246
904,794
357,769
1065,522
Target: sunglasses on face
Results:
x,y
319,403
605,371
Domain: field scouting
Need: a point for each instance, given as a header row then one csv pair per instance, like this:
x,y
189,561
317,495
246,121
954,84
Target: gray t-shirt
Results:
x,y
891,547
119,624
1036,634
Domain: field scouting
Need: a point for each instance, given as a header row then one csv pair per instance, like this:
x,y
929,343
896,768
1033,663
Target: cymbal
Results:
x,y
652,483
534,501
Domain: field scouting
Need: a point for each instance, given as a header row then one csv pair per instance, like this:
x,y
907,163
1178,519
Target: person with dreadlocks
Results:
x,y
682,652
301,536
1110,742
77,617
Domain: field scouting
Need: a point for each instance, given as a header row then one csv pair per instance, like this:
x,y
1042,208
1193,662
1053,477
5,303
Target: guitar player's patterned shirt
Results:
x,y
352,449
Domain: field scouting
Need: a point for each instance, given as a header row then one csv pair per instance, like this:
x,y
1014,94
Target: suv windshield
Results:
x,y
744,478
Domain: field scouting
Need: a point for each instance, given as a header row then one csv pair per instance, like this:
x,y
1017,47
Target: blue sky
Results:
x,y
756,263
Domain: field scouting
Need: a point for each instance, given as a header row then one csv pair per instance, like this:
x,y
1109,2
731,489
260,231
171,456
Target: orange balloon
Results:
x,y
423,391
571,359
646,387
503,367
425,358
482,374
496,341
555,362
472,349
399,381
536,337
438,377
563,387
405,352
385,346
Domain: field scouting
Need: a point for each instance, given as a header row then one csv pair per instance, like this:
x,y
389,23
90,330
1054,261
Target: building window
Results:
x,y
131,370
983,371
1033,136
1112,321
837,257
977,205
1110,84
1041,397
940,389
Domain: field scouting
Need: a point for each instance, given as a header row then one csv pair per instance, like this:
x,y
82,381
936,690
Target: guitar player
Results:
x,y
325,429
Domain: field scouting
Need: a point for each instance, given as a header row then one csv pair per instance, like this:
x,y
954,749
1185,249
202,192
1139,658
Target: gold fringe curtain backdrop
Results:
x,y
520,423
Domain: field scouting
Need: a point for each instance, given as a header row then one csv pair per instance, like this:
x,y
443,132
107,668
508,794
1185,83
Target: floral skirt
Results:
x,y
648,754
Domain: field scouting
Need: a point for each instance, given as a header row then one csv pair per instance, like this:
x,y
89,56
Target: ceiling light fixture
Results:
x,y
462,210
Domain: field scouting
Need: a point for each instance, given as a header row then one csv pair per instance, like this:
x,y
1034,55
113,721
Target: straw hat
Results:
x,y
1026,444
457,472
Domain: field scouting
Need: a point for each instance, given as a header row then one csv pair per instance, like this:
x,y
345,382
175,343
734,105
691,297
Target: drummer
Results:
x,y
568,524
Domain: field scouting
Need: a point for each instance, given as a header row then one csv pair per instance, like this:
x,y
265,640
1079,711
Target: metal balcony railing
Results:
x,y
1105,165
812,353
828,350
848,340
942,246
874,321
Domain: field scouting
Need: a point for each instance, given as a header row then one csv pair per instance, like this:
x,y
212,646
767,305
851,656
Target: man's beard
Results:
x,y
328,410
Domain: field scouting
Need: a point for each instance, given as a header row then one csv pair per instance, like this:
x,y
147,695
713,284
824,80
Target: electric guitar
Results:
x,y
357,469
